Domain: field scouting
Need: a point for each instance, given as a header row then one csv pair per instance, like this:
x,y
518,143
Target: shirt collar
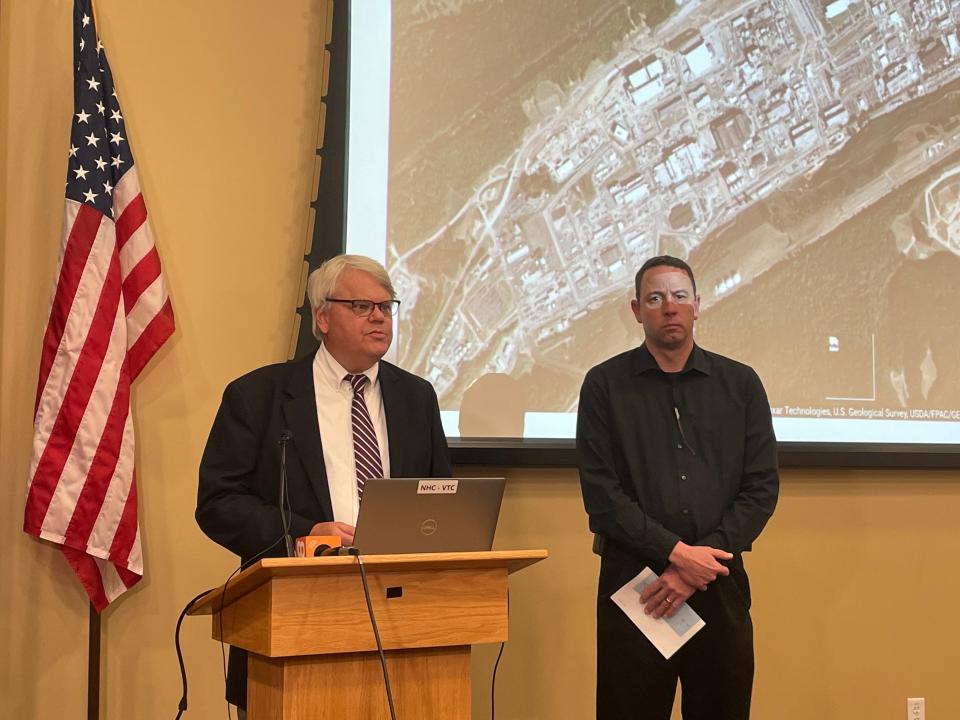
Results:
x,y
333,373
643,361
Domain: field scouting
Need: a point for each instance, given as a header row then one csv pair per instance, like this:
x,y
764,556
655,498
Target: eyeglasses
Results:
x,y
364,308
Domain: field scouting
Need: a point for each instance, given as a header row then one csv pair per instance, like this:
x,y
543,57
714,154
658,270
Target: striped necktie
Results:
x,y
366,450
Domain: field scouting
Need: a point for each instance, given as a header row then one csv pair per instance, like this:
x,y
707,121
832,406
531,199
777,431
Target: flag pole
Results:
x,y
96,22
93,621
93,665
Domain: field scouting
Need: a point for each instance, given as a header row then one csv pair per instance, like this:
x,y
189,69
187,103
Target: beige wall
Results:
x,y
221,101
854,581
854,593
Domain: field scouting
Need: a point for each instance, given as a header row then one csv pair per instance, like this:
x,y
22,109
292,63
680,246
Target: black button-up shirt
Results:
x,y
665,457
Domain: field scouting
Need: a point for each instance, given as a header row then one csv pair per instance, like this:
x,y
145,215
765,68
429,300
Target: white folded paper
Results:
x,y
667,634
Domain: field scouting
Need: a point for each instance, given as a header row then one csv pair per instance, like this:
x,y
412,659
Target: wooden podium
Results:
x,y
312,650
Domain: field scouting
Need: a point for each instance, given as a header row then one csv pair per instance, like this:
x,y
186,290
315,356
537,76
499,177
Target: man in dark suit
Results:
x,y
344,415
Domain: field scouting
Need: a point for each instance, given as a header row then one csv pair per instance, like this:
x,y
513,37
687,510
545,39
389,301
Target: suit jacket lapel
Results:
x,y
398,418
300,413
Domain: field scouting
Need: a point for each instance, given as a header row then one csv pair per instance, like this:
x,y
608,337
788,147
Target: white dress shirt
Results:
x,y
334,398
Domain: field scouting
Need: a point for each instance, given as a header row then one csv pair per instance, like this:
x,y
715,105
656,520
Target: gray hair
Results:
x,y
323,281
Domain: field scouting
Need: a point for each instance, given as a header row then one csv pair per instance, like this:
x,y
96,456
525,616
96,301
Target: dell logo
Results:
x,y
428,526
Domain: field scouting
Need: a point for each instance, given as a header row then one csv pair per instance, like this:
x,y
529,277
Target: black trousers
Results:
x,y
715,667
237,678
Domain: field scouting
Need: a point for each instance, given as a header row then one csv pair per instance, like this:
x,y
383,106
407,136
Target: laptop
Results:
x,y
427,515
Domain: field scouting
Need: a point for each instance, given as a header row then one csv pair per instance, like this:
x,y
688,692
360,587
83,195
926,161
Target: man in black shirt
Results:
x,y
678,470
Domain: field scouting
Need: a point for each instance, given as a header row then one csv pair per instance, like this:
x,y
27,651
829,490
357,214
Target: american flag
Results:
x,y
109,315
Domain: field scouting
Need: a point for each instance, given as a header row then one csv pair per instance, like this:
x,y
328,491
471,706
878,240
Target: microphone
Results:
x,y
285,436
324,551
676,414
317,545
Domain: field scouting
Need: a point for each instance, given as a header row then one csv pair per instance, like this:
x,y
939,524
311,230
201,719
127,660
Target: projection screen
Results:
x,y
514,163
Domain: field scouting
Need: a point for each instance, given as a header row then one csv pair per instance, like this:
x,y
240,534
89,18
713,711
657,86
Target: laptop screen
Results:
x,y
415,515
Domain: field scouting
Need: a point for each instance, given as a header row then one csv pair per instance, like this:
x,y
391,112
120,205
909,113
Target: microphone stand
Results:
x,y
284,500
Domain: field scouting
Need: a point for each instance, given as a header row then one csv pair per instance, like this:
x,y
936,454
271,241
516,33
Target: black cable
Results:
x,y
376,632
493,681
493,685
182,705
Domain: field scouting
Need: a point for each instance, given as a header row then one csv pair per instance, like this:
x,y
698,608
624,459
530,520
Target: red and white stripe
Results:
x,y
366,450
109,315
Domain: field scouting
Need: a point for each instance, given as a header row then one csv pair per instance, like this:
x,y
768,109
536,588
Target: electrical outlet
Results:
x,y
915,709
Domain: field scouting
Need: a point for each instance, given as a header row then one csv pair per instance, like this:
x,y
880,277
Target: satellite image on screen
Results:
x,y
803,156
